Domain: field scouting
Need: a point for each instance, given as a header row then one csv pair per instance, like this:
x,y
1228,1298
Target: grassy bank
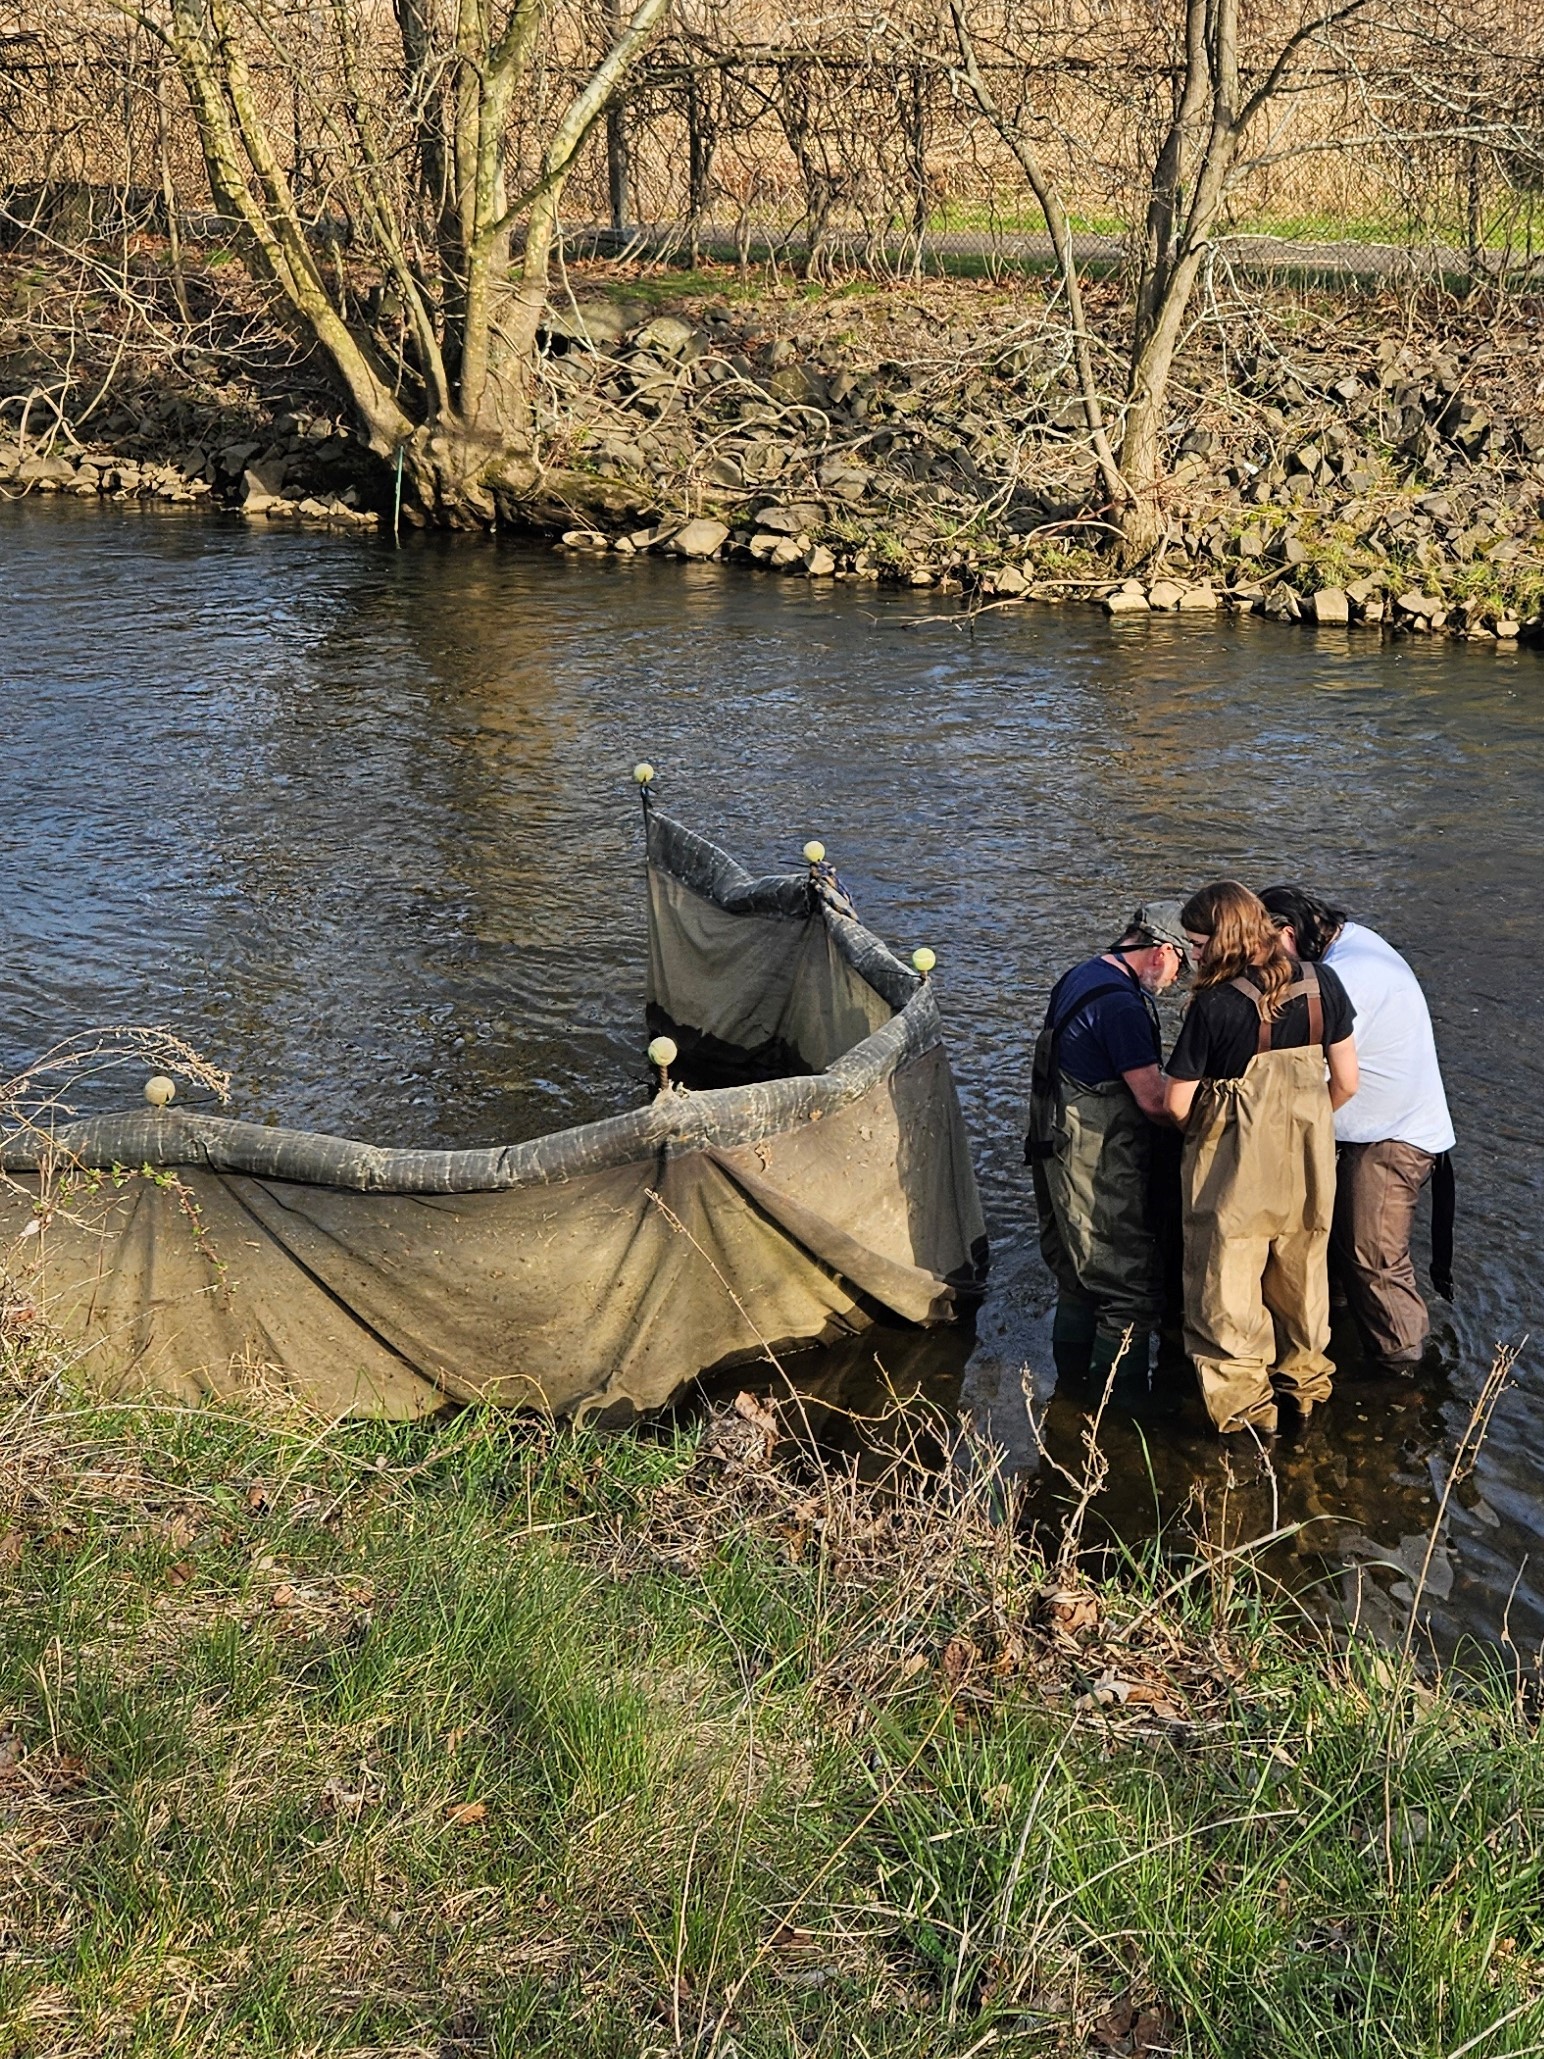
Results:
x,y
480,1738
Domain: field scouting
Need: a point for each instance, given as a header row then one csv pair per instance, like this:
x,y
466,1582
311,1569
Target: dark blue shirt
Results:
x,y
1107,1036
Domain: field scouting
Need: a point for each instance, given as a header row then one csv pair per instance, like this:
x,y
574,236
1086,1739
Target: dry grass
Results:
x,y
483,1737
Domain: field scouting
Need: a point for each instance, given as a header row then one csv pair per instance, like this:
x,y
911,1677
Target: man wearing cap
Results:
x,y
1096,1094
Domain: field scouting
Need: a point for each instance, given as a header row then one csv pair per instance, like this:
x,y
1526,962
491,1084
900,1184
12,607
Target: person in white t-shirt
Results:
x,y
1390,1137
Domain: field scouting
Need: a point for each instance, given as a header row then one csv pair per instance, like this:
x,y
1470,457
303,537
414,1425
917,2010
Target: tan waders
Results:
x,y
1092,1194
1259,1188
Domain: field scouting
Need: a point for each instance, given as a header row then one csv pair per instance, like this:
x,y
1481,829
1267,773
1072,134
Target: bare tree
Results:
x,y
445,138
1194,157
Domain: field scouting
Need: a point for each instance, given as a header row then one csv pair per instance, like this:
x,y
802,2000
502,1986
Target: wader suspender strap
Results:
x,y
1043,1076
1307,985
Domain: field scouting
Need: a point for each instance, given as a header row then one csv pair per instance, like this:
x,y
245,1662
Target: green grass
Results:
x,y
486,1738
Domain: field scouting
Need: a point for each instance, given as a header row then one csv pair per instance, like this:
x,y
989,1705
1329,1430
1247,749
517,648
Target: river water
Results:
x,y
358,822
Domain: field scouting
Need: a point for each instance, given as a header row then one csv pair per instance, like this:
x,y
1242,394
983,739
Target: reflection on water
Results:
x,y
358,822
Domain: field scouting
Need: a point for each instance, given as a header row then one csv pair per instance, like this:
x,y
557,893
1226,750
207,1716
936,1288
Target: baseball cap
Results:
x,y
1159,923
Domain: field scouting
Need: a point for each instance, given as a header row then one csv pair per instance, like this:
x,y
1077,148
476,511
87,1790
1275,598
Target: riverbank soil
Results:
x,y
485,1737
1337,454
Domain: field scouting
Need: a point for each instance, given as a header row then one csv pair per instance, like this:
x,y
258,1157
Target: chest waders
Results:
x,y
1259,1187
1090,1152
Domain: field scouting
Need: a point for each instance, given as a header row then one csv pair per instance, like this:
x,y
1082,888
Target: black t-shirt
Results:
x,y
1221,1030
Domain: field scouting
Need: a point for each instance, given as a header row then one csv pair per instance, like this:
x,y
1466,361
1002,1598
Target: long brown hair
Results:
x,y
1241,941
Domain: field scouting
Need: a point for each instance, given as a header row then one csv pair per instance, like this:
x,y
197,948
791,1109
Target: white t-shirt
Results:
x,y
1401,1095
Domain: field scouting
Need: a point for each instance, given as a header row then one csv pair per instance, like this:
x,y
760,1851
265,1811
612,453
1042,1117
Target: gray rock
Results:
x,y
1282,605
584,539
699,539
667,334
1010,582
793,520
266,478
1124,602
44,471
795,387
818,562
1329,607
1165,594
1198,599
595,321
726,473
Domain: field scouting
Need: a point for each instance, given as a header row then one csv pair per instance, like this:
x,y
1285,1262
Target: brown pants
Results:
x,y
1377,1187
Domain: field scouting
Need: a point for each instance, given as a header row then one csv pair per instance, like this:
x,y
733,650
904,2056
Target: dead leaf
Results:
x,y
960,1654
10,1548
1071,1609
1110,2032
465,1812
792,1937
180,1574
1010,1656
283,1597
257,1498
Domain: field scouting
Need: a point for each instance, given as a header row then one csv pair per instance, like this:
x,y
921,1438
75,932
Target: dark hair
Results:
x,y
1241,941
1315,923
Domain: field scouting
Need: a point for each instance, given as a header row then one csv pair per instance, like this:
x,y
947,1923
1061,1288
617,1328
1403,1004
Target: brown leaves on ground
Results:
x,y
1127,2029
938,1588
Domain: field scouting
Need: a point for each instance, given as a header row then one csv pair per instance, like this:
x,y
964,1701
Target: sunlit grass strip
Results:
x,y
479,1737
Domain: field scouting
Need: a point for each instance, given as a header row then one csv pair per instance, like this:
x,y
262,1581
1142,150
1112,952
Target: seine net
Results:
x,y
818,1177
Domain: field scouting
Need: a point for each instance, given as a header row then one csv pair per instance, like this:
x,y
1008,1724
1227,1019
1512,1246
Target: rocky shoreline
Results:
x,y
1333,474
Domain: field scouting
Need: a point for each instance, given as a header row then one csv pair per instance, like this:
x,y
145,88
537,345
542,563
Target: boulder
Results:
x,y
1282,605
1508,629
45,472
593,321
1330,607
791,521
795,387
818,562
1010,582
1422,607
787,552
1165,594
584,539
266,478
1198,599
699,539
668,335
1124,602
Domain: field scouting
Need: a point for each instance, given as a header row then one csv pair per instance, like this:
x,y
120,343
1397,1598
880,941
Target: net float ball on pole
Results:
x,y
815,851
923,960
662,1055
159,1090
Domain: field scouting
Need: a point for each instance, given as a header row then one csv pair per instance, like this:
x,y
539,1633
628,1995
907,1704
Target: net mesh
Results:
x,y
597,1269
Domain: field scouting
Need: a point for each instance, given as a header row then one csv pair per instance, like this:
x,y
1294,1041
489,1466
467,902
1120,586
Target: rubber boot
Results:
x,y
1072,1336
1131,1378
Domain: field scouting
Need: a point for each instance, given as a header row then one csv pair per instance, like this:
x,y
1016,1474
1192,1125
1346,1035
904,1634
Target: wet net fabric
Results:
x,y
594,1269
